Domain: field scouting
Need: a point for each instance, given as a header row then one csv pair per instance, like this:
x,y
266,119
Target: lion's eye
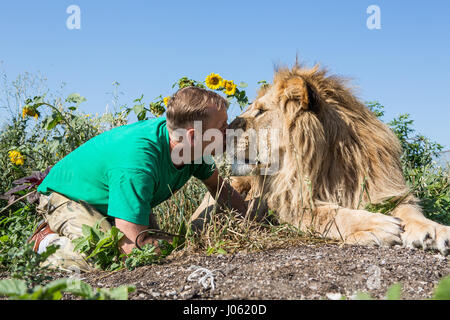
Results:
x,y
259,112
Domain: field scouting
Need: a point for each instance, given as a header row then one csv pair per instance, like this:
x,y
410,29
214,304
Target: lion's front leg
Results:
x,y
257,211
421,232
353,226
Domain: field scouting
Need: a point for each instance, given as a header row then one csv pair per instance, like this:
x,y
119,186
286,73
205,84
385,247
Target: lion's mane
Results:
x,y
335,152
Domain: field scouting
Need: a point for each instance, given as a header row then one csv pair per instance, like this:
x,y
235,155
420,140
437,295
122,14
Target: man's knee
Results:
x,y
67,217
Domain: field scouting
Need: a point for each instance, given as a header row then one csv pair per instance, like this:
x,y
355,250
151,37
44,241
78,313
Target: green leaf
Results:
x,y
49,251
75,98
242,85
55,286
53,145
56,295
442,291
80,243
86,230
363,296
100,247
36,294
221,251
79,288
139,99
394,292
13,287
120,293
138,108
141,115
52,121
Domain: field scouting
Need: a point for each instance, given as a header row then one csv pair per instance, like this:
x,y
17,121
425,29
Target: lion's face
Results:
x,y
262,131
255,136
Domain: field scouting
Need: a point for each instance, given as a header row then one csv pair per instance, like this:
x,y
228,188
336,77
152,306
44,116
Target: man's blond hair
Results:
x,y
190,104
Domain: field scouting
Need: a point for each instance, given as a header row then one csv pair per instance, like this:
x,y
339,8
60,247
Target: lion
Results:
x,y
335,158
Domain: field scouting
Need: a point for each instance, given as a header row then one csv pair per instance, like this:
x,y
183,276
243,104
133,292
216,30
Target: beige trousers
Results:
x,y
66,217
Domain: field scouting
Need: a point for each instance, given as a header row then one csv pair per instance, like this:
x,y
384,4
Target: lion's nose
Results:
x,y
238,123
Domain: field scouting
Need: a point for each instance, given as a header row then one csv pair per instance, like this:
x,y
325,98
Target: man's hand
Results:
x,y
226,195
131,231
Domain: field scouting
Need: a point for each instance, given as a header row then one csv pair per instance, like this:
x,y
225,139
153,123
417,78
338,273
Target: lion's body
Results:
x,y
334,157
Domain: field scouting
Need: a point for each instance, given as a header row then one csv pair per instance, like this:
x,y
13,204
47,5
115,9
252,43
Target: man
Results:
x,y
125,172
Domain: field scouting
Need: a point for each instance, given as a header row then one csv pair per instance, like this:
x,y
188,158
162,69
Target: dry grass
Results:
x,y
225,232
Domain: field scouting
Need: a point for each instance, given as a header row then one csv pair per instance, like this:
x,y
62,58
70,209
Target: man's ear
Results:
x,y
298,94
190,136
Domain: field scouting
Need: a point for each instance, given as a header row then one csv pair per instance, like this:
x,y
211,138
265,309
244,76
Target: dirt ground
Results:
x,y
306,271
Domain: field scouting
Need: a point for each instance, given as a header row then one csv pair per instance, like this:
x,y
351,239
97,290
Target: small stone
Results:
x,y
439,257
169,293
334,296
313,286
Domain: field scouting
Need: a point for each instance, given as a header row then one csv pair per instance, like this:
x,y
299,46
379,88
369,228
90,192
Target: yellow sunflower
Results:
x,y
16,157
230,87
166,101
214,81
157,109
28,111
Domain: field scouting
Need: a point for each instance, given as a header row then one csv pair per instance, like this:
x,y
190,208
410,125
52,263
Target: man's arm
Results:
x,y
131,231
228,196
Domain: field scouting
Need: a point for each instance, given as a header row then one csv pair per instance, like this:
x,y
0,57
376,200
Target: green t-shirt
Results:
x,y
123,172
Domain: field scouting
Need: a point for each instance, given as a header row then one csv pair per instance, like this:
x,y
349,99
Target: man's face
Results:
x,y
214,129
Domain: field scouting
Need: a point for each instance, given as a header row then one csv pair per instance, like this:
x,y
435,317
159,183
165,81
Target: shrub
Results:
x,y
428,181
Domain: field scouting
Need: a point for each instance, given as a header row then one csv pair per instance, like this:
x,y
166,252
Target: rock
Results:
x,y
169,293
334,296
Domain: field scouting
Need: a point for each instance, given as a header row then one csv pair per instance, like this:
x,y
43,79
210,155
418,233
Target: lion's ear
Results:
x,y
299,92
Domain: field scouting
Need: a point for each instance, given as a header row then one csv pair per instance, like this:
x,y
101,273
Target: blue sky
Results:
x,y
147,45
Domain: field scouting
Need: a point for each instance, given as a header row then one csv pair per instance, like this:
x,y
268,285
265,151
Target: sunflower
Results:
x,y
166,101
28,111
230,87
214,81
16,157
157,109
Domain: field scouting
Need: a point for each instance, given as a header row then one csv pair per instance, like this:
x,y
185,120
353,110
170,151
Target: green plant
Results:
x,y
17,289
101,247
442,290
147,255
17,256
427,181
418,151
395,291
24,263
217,248
27,183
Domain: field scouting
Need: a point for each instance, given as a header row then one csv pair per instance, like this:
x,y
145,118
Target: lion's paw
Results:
x,y
380,230
443,239
426,234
